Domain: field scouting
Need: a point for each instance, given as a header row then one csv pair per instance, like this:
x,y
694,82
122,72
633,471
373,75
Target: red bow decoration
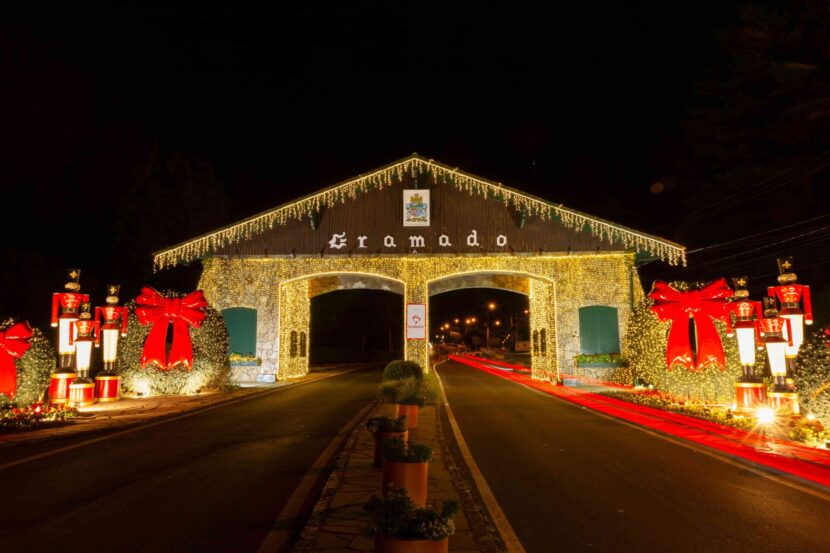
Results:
x,y
701,305
160,311
14,342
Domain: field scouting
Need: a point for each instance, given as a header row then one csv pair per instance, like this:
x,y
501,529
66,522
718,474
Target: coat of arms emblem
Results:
x,y
416,208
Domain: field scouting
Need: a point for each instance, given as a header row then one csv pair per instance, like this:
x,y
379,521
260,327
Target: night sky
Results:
x,y
582,105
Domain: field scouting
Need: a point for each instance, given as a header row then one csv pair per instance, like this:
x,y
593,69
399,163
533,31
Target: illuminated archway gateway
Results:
x,y
418,228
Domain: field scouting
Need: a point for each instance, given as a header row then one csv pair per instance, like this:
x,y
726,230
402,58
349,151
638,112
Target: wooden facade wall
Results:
x,y
455,213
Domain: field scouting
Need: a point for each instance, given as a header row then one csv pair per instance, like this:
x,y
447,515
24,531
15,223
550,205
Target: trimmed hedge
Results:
x,y
400,369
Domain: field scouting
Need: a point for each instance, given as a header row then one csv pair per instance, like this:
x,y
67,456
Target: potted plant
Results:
x,y
406,467
409,395
401,527
384,428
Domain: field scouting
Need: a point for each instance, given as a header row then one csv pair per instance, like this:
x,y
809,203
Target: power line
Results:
x,y
736,240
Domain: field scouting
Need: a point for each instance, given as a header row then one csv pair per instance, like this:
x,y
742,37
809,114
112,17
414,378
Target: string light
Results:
x,y
812,376
416,167
645,343
34,368
279,289
210,358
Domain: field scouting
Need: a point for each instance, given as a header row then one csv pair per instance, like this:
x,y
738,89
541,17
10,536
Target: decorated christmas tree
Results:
x,y
645,344
812,376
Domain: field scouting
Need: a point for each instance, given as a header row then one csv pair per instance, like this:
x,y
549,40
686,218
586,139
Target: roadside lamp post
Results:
x,y
490,308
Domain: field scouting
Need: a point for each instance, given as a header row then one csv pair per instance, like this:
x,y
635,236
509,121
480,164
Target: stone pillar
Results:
x,y
544,358
295,319
417,350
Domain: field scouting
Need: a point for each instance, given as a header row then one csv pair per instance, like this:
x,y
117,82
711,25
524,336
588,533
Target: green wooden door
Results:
x,y
241,324
599,330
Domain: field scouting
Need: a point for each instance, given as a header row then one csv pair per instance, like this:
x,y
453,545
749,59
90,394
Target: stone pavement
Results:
x,y
338,523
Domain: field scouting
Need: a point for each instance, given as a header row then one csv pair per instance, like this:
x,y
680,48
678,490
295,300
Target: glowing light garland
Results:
x,y
416,166
278,288
33,368
645,343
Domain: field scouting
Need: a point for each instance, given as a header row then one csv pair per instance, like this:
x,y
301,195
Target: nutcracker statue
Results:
x,y
750,391
791,295
114,323
774,331
64,314
86,333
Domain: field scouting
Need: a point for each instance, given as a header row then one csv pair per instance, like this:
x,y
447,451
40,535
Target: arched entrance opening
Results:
x,y
350,326
486,320
524,305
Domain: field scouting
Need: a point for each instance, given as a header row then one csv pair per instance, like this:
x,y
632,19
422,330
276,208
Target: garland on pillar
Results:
x,y
812,376
645,345
33,368
211,367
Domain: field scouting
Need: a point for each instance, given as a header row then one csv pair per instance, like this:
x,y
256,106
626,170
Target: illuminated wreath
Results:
x,y
211,367
34,368
645,344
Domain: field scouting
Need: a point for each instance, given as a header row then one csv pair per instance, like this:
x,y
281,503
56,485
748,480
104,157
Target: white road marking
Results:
x,y
511,540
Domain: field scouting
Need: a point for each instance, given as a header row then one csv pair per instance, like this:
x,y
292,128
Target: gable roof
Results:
x,y
415,165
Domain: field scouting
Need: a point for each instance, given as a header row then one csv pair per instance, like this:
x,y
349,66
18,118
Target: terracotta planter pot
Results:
x,y
410,412
410,476
387,544
380,437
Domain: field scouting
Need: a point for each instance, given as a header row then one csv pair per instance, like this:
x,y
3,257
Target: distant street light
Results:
x,y
490,307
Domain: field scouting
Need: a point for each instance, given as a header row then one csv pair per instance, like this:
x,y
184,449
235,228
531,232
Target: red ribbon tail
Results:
x,y
155,345
8,375
678,347
709,347
182,350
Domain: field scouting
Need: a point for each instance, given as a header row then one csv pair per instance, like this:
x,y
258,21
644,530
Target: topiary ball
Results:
x,y
400,369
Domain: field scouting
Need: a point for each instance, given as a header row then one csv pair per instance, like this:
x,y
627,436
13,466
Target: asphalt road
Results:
x,y
571,480
214,481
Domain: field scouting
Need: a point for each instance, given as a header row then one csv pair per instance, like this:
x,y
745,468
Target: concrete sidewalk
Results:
x,y
139,410
338,523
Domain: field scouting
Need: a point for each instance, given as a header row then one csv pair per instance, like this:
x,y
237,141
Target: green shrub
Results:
x,y
396,516
400,369
397,451
386,424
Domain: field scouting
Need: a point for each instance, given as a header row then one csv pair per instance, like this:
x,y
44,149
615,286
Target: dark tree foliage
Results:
x,y
181,198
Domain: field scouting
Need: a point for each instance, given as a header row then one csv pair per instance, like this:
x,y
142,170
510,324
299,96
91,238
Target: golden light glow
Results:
x,y
491,306
416,166
765,415
110,340
277,288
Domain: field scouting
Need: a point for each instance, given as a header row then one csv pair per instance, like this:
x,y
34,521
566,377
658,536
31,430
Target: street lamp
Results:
x,y
490,307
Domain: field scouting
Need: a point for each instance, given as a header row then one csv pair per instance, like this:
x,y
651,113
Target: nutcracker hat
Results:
x,y
770,307
72,277
112,293
85,311
740,283
785,268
